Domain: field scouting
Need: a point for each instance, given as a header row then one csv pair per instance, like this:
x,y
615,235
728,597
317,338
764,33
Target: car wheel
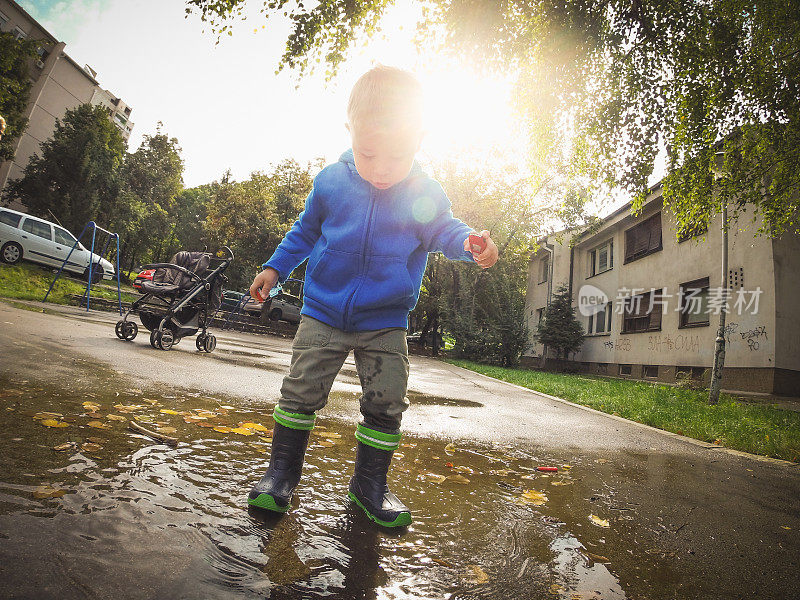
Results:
x,y
275,314
11,253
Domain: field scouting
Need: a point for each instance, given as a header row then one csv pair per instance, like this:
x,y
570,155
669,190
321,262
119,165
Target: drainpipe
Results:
x,y
551,250
719,350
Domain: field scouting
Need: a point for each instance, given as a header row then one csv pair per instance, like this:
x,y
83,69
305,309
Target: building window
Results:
x,y
600,322
642,312
544,267
19,34
625,369
601,259
3,22
650,371
694,303
643,239
539,315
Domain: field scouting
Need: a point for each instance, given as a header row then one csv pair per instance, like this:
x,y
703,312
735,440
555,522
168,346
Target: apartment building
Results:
x,y
649,303
59,84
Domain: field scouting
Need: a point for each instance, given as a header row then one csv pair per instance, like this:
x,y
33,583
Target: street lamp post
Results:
x,y
719,349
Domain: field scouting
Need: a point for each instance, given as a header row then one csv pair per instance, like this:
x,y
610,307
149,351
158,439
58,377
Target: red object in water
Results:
x,y
476,240
547,469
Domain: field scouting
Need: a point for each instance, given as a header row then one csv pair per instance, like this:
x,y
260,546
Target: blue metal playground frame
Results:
x,y
88,292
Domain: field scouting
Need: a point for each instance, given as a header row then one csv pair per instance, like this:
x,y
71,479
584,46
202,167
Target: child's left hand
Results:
x,y
488,256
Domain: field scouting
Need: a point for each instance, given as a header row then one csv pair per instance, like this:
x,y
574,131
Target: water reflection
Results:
x,y
476,533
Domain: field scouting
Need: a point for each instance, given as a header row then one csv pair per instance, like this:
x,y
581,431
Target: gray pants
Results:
x,y
318,353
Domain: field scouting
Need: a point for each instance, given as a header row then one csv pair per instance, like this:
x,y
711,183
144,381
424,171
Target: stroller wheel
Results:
x,y
166,340
209,343
155,339
129,330
200,342
118,329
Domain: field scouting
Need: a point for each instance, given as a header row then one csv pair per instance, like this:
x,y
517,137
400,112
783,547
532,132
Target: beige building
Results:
x,y
649,303
59,84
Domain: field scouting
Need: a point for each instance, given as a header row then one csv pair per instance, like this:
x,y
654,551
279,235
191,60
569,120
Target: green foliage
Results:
x,y
252,216
15,85
606,84
75,176
559,329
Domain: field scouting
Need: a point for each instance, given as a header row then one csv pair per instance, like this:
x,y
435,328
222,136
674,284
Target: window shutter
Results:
x,y
656,312
630,240
655,232
602,259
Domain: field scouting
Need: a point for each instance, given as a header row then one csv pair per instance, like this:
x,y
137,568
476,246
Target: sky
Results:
x,y
229,110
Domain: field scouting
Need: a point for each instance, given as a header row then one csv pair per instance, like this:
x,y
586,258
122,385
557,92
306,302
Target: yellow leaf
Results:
x,y
242,431
463,469
205,413
450,448
61,447
113,417
91,406
408,445
479,576
398,455
265,438
166,430
258,448
326,443
47,415
786,528
331,435
458,479
53,423
98,425
566,466
598,521
46,491
168,411
226,407
253,426
222,429
436,478
90,447
534,497
193,419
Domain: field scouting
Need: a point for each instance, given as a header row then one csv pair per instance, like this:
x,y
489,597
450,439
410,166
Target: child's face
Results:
x,y
384,157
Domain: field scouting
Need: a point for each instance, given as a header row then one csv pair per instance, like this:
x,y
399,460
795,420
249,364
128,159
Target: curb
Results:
x,y
706,445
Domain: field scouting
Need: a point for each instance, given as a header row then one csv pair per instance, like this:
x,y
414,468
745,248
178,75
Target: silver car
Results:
x,y
43,242
285,307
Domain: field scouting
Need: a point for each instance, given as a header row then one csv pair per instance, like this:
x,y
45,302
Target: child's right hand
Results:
x,y
263,283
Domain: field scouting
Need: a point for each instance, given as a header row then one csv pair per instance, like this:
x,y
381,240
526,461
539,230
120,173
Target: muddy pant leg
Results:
x,y
382,363
318,353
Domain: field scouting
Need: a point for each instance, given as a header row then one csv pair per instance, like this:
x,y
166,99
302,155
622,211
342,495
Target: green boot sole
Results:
x,y
267,502
402,520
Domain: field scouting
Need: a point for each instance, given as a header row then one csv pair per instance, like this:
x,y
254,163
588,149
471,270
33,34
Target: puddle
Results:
x,y
413,398
486,523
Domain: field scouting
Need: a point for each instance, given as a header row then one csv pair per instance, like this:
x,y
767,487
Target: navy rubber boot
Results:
x,y
368,486
274,490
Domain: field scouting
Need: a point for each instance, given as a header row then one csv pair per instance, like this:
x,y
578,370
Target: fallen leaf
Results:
x,y
205,413
61,447
534,497
90,447
408,445
566,466
458,479
463,469
253,426
332,435
786,528
478,575
94,415
98,425
46,491
222,429
598,521
242,431
398,455
166,430
501,472
436,478
597,557
92,406
168,411
258,447
53,423
47,415
450,448
143,417
205,424
326,443
226,407
189,419
113,417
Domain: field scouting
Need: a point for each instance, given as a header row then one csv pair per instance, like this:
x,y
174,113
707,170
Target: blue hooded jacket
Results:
x,y
367,248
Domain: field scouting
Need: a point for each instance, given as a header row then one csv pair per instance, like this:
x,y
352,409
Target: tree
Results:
x,y
559,329
75,179
252,216
152,179
15,86
624,78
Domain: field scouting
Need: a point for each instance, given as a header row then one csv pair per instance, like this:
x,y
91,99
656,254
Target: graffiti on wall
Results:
x,y
754,337
623,344
667,343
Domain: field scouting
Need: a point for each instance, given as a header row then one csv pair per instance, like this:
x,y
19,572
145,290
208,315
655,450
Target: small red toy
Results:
x,y
547,469
476,240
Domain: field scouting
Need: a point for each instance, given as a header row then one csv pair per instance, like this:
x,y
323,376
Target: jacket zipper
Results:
x,y
363,270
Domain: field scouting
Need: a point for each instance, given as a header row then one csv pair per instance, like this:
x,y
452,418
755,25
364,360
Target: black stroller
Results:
x,y
183,297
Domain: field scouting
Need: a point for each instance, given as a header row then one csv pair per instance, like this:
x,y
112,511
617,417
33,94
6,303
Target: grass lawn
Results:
x,y
24,281
758,429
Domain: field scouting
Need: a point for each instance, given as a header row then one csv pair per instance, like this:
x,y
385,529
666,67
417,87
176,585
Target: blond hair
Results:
x,y
387,98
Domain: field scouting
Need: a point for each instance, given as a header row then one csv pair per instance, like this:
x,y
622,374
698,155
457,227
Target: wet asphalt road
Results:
x,y
727,522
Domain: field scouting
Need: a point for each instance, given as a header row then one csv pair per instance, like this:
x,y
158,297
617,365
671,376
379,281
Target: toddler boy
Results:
x,y
368,225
